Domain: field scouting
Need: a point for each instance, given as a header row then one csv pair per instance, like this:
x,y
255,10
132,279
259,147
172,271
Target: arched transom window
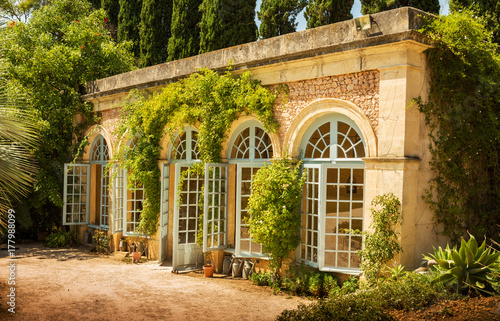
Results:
x,y
185,146
252,143
332,203
100,150
334,140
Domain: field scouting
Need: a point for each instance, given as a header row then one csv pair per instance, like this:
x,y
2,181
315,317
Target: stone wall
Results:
x,y
360,88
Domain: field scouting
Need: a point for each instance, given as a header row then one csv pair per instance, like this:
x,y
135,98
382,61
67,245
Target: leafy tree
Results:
x,y
324,12
96,4
19,10
50,59
129,21
185,29
278,17
112,9
156,16
226,23
489,10
374,6
274,210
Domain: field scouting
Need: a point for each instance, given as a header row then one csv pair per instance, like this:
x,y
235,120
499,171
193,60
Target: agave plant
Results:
x,y
471,267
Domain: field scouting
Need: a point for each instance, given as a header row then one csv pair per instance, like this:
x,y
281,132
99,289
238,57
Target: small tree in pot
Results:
x,y
274,210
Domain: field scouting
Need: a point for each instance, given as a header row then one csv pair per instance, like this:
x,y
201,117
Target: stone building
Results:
x,y
349,117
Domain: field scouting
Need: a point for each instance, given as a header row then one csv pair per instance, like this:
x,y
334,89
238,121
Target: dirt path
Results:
x,y
70,284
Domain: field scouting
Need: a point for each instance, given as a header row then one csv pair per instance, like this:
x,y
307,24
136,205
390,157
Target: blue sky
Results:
x,y
356,12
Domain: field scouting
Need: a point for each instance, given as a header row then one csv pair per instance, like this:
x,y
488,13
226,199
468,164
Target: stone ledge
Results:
x,y
387,27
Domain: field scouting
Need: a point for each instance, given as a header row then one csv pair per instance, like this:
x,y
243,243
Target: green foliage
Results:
x,y
49,60
102,241
112,9
129,23
307,281
397,271
324,12
343,308
273,207
60,238
462,113
18,133
488,10
278,17
374,6
185,39
206,99
471,267
381,245
410,292
156,18
226,23
262,279
19,10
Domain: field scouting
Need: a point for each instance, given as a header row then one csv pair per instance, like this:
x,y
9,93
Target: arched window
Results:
x,y
332,204
99,157
249,147
252,143
185,146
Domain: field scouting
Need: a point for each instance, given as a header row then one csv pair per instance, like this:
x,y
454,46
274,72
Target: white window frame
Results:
x,y
119,197
100,156
84,191
218,191
322,164
134,209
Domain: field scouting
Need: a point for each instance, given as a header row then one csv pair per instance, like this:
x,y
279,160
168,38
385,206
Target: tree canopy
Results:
x,y
324,12
156,18
489,10
374,6
185,30
50,59
278,17
226,23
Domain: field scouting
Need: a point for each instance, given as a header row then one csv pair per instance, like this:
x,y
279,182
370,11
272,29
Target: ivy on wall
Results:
x,y
207,100
463,113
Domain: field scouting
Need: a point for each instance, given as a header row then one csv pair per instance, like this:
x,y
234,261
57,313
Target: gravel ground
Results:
x,y
73,284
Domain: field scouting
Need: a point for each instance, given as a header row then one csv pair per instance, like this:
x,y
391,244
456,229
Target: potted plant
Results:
x,y
208,268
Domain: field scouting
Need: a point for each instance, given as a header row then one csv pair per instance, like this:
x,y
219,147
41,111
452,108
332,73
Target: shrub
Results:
x,y
381,245
274,219
262,279
60,239
304,280
410,292
349,307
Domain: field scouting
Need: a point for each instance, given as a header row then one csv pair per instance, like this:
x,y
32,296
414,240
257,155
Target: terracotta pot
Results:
x,y
209,270
136,256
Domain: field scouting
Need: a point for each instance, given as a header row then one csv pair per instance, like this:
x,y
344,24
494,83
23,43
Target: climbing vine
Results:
x,y
206,99
462,113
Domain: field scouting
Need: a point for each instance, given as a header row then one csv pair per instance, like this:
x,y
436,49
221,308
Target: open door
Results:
x,y
76,194
187,254
215,207
165,177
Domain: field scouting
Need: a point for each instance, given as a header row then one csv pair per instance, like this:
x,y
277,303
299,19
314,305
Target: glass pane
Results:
x,y
343,259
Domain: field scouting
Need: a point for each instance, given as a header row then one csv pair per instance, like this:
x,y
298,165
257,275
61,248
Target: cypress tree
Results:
x,y
129,23
226,23
112,8
324,12
278,17
185,39
374,6
96,4
156,18
489,10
